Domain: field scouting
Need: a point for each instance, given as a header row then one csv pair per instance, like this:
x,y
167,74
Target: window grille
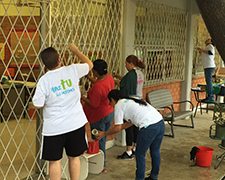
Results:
x,y
160,41
27,27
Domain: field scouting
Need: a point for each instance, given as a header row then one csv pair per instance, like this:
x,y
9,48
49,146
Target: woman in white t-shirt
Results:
x,y
150,122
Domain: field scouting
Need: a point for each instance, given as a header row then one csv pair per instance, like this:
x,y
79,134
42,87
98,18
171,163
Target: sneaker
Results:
x,y
104,170
125,156
149,178
208,100
204,99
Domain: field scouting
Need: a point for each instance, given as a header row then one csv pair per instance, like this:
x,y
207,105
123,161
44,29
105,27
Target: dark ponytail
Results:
x,y
117,95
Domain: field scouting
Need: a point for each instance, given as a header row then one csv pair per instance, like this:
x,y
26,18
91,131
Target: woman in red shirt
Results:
x,y
97,109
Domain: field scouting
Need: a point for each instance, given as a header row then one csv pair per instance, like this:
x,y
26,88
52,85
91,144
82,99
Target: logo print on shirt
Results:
x,y
56,88
126,100
68,83
62,89
140,80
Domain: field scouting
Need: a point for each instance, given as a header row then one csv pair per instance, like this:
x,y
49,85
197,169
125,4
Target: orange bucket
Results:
x,y
204,156
93,146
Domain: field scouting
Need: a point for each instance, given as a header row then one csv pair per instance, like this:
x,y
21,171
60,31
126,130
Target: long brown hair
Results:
x,y
137,62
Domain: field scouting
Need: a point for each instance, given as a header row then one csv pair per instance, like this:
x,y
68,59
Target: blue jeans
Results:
x,y
208,79
103,124
150,137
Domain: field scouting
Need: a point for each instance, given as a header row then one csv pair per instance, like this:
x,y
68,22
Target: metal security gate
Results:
x,y
160,41
27,27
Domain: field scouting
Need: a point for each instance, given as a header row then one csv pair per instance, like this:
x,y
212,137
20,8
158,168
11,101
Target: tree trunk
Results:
x,y
213,13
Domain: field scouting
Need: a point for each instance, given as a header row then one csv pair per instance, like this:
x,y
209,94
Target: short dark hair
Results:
x,y
100,66
49,57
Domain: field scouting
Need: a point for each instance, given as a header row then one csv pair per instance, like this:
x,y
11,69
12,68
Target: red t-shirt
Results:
x,y
98,98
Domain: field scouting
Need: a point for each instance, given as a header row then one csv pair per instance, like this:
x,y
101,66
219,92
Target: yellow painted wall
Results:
x,y
96,7
8,8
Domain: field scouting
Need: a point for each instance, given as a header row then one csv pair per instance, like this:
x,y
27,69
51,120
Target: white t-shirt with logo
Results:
x,y
58,93
207,59
140,82
135,113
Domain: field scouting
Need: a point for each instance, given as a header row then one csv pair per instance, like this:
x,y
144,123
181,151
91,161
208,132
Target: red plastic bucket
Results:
x,y
93,146
204,156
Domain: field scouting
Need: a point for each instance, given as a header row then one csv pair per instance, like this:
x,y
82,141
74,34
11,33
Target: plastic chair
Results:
x,y
216,91
162,99
197,90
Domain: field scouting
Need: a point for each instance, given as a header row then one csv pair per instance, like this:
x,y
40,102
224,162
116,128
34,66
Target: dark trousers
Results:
x,y
131,135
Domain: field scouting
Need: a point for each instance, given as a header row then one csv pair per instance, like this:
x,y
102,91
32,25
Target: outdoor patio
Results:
x,y
175,153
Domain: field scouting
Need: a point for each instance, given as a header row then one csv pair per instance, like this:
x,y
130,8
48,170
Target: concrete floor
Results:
x,y
175,153
175,156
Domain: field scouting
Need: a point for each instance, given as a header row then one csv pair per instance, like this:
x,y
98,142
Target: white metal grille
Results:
x,y
27,27
160,38
200,35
